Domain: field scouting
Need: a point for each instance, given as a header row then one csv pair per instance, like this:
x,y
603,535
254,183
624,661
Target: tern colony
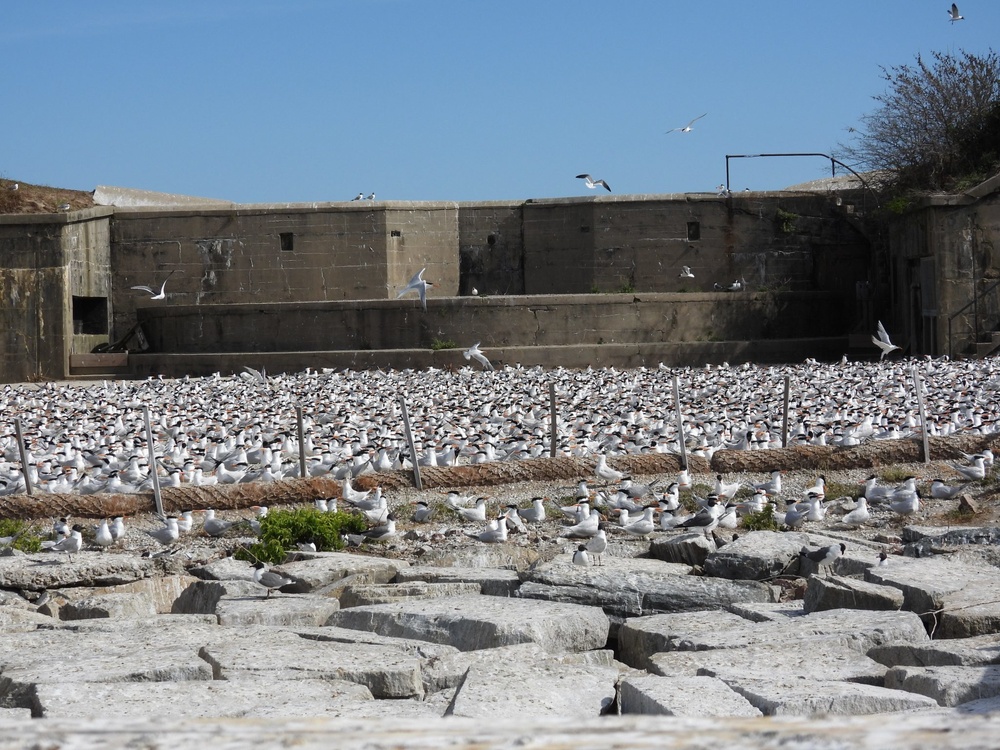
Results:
x,y
90,438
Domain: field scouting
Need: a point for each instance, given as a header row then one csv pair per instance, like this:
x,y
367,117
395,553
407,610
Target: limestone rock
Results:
x,y
328,568
120,605
682,696
689,549
836,592
54,570
476,622
948,686
299,610
958,652
492,581
813,697
357,596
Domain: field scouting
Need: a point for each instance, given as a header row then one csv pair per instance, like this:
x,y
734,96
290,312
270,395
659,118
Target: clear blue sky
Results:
x,y
310,100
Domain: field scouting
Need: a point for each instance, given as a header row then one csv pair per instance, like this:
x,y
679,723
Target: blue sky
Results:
x,y
303,100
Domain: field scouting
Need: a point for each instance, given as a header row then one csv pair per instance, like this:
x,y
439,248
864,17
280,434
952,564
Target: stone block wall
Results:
x,y
491,248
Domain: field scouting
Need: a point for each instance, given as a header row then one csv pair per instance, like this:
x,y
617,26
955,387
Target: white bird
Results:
x,y
358,197
385,531
883,342
773,485
605,472
476,513
162,294
942,491
213,526
726,490
117,527
859,516
371,197
474,352
535,513
168,534
592,183
580,557
102,537
70,544
419,285
423,512
686,128
494,533
269,579
975,472
597,544
185,522
953,13
824,556
643,526
686,272
905,505
585,528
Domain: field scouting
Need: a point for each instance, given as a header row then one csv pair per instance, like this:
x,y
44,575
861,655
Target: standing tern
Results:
x,y
269,579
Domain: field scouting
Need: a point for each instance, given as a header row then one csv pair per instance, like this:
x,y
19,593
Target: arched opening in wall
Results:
x,y
90,316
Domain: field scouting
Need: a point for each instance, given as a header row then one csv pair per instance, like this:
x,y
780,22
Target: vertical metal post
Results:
x,y
923,415
409,442
552,416
24,457
784,421
152,463
302,442
680,425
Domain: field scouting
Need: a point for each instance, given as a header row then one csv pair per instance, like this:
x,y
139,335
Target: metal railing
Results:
x,y
974,304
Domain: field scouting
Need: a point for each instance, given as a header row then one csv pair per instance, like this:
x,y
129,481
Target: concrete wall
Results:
x,y
235,255
46,260
491,248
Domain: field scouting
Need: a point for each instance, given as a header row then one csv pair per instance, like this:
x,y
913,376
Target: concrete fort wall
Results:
x,y
268,254
54,285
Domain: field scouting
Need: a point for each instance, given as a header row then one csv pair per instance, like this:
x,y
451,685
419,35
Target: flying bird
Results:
x,y
162,294
953,12
686,128
473,352
686,273
883,342
419,285
592,183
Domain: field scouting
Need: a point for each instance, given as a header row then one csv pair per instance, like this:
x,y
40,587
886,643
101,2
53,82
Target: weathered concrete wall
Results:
x,y
491,248
545,320
280,253
614,243
46,259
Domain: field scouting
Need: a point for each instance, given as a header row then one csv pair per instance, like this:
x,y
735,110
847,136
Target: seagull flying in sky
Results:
x,y
162,294
883,342
686,273
473,352
592,183
418,285
686,128
953,12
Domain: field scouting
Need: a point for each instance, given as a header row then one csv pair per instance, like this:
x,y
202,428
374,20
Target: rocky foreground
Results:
x,y
436,637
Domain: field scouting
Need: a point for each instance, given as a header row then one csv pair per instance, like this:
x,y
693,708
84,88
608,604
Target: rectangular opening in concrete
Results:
x,y
287,240
395,233
694,231
90,316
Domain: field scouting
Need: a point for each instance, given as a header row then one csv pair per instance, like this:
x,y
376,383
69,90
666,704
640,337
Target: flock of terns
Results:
x,y
91,438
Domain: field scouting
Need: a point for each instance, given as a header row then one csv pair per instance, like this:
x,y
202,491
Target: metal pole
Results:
x,y
152,463
409,442
552,416
784,421
923,415
680,425
24,456
302,442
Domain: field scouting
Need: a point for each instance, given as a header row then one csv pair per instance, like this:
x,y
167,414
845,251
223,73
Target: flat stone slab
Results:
x,y
814,697
361,595
837,592
965,593
386,672
117,606
533,689
641,637
757,555
203,597
326,568
948,686
766,611
637,586
278,609
687,548
475,622
977,651
764,661
428,651
262,699
509,556
54,570
682,696
492,581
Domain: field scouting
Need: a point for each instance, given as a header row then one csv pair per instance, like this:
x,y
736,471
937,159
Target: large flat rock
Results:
x,y
977,651
781,697
254,699
637,586
362,595
964,596
293,609
327,568
814,661
475,622
532,689
492,581
948,686
54,570
641,637
682,696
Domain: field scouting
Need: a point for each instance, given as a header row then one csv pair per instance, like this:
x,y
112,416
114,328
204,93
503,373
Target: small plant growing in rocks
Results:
x,y
761,520
840,489
439,344
28,538
895,475
282,530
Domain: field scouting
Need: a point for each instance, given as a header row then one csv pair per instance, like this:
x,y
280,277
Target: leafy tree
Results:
x,y
938,126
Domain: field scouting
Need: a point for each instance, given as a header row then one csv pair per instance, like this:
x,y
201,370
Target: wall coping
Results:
x,y
67,217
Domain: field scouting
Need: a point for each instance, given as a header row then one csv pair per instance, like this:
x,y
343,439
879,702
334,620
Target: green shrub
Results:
x,y
762,520
29,539
282,530
439,344
895,475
